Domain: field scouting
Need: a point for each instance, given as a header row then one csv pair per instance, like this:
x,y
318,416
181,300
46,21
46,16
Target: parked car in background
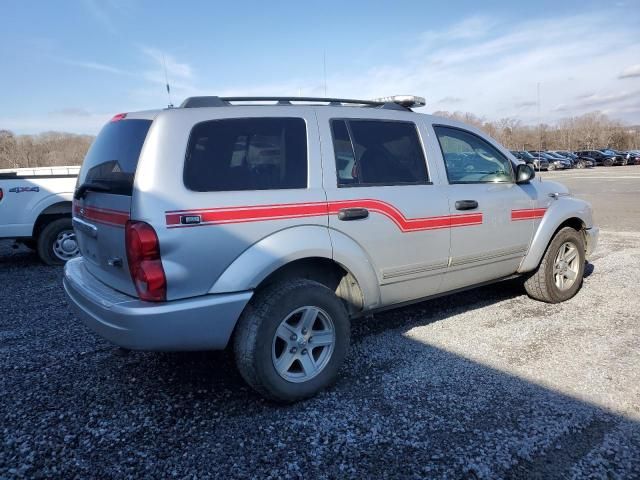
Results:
x,y
559,157
225,222
619,158
634,157
576,161
625,157
554,163
601,158
35,210
537,163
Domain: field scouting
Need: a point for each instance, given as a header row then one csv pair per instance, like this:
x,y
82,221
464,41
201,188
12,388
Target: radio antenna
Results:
x,y
166,79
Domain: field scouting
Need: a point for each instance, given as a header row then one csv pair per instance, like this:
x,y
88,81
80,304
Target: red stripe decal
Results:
x,y
215,216
528,214
107,216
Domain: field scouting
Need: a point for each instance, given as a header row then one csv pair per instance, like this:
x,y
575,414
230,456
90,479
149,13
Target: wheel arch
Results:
x,y
274,257
567,212
50,213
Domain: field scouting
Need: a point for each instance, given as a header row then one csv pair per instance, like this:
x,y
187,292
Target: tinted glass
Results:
x,y
469,159
371,152
113,156
247,154
343,150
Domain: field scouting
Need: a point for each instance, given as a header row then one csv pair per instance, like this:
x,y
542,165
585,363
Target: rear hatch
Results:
x,y
102,202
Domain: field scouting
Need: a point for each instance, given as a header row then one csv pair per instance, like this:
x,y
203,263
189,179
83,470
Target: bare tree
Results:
x,y
589,131
42,150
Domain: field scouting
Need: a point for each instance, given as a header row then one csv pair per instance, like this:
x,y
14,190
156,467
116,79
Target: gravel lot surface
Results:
x,y
484,384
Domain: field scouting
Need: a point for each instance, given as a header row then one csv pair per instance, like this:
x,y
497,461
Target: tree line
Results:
x,y
589,131
42,150
585,132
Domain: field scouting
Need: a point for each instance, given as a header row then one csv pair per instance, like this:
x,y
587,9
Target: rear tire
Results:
x,y
276,365
559,275
56,243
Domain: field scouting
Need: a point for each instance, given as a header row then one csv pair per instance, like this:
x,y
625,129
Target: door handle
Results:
x,y
466,204
353,214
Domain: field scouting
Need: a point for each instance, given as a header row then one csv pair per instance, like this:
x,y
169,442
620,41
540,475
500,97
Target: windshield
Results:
x,y
113,157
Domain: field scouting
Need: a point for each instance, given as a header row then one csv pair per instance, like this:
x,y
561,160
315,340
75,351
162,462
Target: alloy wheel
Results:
x,y
566,266
303,344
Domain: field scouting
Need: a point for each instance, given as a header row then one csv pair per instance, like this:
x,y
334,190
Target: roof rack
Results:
x,y
398,102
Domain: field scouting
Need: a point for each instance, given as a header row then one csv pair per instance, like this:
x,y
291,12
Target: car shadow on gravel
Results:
x,y
430,311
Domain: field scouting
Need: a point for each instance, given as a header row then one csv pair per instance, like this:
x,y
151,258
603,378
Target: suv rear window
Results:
x,y
375,152
247,154
113,157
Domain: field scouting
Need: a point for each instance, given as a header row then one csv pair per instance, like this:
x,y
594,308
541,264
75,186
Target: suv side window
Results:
x,y
375,152
247,154
470,159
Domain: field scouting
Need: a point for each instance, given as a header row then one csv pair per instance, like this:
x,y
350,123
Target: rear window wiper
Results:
x,y
93,186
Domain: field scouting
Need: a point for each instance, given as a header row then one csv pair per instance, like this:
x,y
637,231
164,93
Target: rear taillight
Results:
x,y
145,265
1,194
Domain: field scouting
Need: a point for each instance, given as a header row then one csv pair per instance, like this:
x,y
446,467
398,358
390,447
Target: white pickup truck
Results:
x,y
35,210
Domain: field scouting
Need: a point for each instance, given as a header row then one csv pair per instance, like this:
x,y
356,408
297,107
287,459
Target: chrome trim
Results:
x,y
412,269
493,255
85,227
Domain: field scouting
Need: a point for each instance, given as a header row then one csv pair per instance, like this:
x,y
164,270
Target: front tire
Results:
x,y
291,340
559,275
57,242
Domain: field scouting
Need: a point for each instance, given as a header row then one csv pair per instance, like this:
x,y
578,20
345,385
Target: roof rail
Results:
x,y
399,102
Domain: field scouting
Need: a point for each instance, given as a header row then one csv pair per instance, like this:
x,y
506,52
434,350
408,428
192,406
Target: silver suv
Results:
x,y
267,223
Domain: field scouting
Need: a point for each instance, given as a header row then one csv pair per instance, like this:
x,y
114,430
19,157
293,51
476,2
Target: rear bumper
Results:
x,y
591,240
200,323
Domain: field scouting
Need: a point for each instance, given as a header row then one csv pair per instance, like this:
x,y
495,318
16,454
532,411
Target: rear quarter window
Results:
x,y
247,154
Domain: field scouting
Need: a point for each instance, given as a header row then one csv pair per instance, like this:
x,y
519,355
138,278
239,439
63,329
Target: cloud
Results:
x,y
606,99
73,112
508,61
449,100
629,72
101,67
526,104
175,69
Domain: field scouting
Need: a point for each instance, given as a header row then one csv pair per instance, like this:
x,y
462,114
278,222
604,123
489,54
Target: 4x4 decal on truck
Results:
x,y
256,213
24,189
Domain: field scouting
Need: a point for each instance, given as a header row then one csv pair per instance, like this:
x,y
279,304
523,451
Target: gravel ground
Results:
x,y
484,384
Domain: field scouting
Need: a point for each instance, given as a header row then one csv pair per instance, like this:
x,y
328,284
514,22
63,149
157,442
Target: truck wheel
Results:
x,y
57,242
559,275
292,339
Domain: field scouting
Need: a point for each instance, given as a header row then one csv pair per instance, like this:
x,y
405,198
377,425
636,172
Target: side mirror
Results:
x,y
524,173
